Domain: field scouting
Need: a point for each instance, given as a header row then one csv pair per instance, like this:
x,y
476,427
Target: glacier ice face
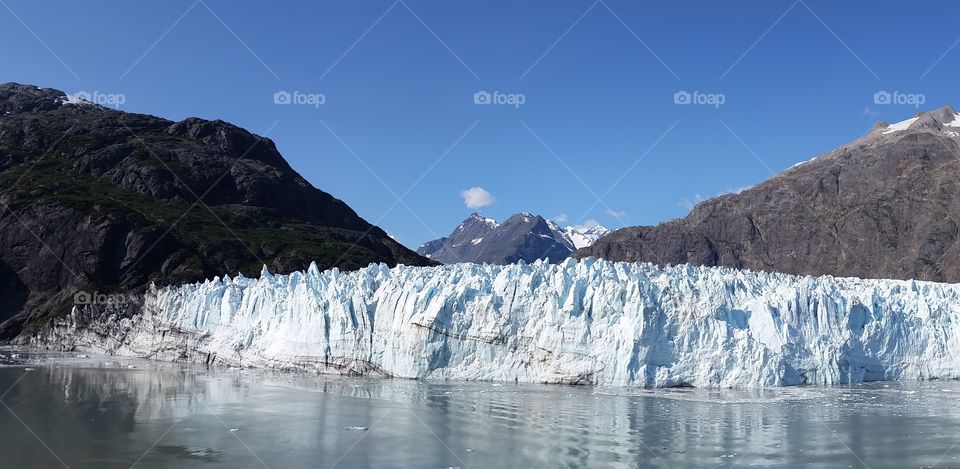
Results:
x,y
591,321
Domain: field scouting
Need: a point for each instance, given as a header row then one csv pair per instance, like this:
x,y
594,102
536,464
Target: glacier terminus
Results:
x,y
590,322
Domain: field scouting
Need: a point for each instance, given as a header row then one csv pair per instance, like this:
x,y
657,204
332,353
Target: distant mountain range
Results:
x,y
523,236
101,201
884,206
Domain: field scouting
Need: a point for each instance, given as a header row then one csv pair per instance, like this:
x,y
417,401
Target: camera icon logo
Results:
x,y
482,97
282,97
882,97
682,97
82,298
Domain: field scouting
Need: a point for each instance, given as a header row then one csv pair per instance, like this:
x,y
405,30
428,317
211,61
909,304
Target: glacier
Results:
x,y
590,322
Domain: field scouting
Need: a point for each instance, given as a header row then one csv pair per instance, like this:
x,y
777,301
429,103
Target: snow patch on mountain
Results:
x,y
68,98
811,160
899,126
955,122
593,322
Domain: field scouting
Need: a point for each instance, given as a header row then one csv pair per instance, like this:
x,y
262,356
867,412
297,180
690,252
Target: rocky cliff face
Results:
x,y
884,206
99,200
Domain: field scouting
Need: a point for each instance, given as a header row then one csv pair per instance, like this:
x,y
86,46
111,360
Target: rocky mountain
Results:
x,y
884,206
99,200
523,236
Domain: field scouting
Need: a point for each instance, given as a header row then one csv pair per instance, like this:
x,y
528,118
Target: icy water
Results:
x,y
67,410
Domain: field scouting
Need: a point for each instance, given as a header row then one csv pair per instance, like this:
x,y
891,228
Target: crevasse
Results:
x,y
591,321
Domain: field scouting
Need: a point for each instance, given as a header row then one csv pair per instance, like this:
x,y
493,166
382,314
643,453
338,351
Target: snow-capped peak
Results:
x,y
477,218
522,236
526,216
480,218
581,236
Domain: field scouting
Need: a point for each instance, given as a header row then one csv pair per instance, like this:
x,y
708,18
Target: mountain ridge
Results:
x,y
523,236
100,200
886,205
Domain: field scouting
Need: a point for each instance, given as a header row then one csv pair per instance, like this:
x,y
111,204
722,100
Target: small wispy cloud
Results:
x,y
689,203
618,214
562,218
588,224
476,197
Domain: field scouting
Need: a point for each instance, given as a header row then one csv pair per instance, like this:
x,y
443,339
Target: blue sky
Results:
x,y
597,81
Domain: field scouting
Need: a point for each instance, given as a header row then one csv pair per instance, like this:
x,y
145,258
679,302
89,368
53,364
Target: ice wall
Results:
x,y
589,322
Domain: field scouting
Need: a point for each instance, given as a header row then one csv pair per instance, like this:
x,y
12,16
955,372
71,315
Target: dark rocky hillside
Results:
x,y
884,206
100,200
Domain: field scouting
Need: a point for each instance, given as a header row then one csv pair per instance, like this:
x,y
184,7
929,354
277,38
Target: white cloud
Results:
x,y
587,224
476,197
562,218
618,214
690,203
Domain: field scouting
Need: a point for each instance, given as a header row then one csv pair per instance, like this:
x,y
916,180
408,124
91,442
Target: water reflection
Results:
x,y
105,412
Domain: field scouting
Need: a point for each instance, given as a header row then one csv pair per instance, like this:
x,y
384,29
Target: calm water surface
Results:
x,y
69,410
